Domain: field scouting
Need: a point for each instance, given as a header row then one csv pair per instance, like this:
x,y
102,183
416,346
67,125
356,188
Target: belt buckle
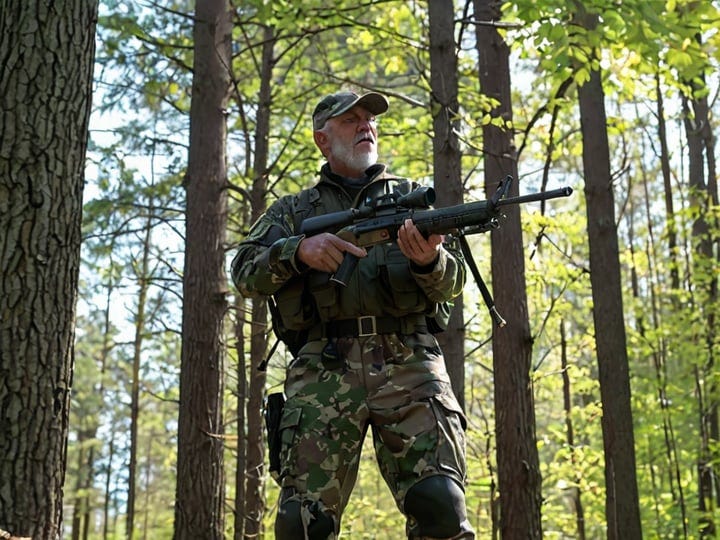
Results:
x,y
364,323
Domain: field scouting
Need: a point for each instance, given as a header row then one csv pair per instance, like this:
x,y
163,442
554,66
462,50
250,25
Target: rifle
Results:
x,y
378,221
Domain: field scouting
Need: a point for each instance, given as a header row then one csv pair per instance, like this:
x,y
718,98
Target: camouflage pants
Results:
x,y
396,385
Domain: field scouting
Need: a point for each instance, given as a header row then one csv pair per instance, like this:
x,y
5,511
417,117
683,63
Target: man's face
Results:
x,y
349,142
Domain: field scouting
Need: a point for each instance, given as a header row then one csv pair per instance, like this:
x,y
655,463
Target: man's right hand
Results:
x,y
325,251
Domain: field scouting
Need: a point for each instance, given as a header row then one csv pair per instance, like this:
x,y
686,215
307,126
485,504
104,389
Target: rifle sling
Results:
x,y
470,261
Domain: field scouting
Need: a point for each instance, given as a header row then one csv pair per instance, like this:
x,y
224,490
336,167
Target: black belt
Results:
x,y
369,326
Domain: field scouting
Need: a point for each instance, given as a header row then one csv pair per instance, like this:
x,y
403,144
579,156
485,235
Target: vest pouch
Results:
x,y
291,317
294,307
406,295
325,294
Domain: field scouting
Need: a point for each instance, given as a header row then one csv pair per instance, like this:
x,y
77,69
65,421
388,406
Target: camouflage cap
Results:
x,y
336,104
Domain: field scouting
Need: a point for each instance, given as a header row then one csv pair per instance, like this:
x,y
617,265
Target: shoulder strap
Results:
x,y
303,205
470,261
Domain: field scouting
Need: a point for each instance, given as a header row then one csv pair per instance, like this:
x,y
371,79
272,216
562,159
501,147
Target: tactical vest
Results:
x,y
381,285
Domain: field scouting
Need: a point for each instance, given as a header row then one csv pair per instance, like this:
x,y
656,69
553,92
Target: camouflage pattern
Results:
x,y
336,104
396,384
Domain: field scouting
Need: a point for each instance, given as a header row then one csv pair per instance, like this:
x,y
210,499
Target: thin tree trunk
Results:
x,y
255,467
570,434
621,497
705,294
199,508
242,389
712,419
254,491
48,51
79,503
148,467
518,462
143,278
667,184
90,466
659,356
108,483
446,163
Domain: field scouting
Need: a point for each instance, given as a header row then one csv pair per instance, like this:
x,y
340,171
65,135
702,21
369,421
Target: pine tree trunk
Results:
x,y
254,473
660,352
48,52
143,281
518,463
446,163
241,392
199,511
621,497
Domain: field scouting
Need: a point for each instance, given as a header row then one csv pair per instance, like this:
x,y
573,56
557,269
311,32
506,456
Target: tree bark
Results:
x,y
254,473
143,279
517,457
576,494
241,393
703,194
667,186
621,491
199,511
47,53
446,163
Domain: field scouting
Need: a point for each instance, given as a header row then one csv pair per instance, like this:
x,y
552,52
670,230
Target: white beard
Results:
x,y
352,158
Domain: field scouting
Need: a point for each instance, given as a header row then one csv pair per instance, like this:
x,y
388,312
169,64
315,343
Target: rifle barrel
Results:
x,y
532,197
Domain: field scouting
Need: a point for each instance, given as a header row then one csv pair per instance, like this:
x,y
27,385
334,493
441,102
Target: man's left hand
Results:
x,y
420,250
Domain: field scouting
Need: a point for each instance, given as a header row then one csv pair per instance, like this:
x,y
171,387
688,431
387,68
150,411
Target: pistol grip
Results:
x,y
345,270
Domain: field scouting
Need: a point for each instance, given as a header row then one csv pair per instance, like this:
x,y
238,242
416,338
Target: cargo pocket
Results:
x,y
288,438
451,426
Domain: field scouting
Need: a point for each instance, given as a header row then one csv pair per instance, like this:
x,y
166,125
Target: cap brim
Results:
x,y
372,101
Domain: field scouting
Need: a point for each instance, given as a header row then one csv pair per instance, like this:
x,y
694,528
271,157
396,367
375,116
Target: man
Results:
x,y
367,358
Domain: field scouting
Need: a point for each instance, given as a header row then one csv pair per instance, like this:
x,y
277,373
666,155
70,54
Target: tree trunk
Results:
x,y
254,473
90,471
200,470
255,466
48,52
143,280
660,351
518,463
667,185
446,163
705,293
241,393
621,497
80,502
570,434
108,486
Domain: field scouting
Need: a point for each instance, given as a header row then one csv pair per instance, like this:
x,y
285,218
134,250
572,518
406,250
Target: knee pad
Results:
x,y
437,507
289,521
